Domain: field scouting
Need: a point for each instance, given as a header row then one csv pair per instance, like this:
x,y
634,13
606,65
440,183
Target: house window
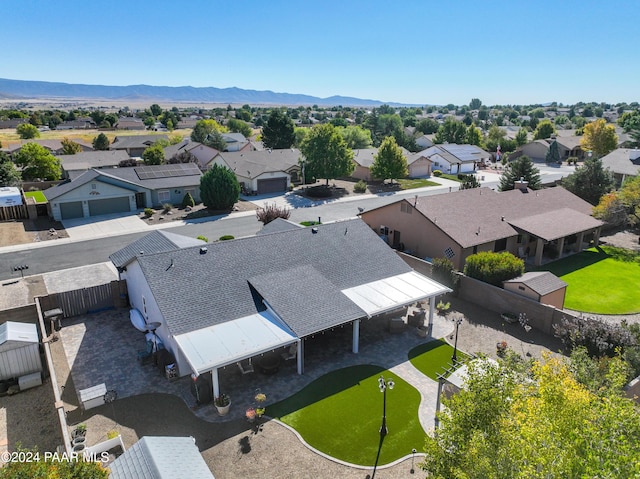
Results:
x,y
405,208
93,186
475,249
519,240
521,288
500,245
164,196
449,253
144,306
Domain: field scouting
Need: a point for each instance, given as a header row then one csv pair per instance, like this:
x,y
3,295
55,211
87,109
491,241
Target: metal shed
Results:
x,y
19,350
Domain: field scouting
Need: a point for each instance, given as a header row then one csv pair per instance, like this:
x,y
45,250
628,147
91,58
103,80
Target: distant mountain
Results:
x,y
41,89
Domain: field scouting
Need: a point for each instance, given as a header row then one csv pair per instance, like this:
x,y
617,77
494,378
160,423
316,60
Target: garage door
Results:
x,y
108,206
273,185
71,210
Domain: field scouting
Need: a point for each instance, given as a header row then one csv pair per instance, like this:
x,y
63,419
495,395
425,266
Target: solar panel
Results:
x,y
166,171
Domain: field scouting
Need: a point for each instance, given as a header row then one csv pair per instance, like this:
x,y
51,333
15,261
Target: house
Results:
x,y
425,141
541,286
130,123
136,144
266,171
623,163
568,146
235,141
271,291
12,123
158,457
364,158
419,165
74,165
535,225
453,159
204,154
122,190
79,124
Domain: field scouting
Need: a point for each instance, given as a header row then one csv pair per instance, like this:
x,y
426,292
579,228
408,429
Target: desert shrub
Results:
x,y
360,187
493,268
321,191
226,238
444,272
310,223
202,238
437,173
167,207
188,200
148,212
271,212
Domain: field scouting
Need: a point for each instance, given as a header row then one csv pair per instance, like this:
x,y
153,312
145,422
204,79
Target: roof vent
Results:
x,y
314,230
203,250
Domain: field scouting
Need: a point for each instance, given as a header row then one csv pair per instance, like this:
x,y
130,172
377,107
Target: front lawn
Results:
x,y
36,195
603,280
340,414
410,183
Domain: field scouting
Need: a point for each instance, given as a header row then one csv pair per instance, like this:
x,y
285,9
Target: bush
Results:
x,y
148,212
360,187
188,200
219,188
202,238
444,272
461,176
310,223
226,238
167,207
321,191
128,163
493,268
598,337
437,173
271,212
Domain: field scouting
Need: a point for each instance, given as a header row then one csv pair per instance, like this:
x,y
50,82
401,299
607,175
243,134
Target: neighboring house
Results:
x,y
121,190
425,141
203,153
541,225
130,123
453,159
135,145
536,150
12,123
53,146
541,286
272,291
568,146
79,124
364,158
235,142
266,171
187,123
623,163
74,165
159,457
419,164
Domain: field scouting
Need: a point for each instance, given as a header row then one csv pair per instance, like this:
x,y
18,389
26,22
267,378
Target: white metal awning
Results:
x,y
232,341
394,292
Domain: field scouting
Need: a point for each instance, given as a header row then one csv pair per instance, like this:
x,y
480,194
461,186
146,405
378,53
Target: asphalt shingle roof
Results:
x,y
252,164
93,159
542,282
155,242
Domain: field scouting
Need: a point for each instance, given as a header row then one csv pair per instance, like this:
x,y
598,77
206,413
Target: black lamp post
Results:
x,y
458,321
384,385
413,453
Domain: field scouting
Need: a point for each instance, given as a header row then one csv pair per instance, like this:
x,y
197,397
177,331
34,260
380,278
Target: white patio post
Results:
x,y
300,357
560,247
215,381
539,248
356,336
432,307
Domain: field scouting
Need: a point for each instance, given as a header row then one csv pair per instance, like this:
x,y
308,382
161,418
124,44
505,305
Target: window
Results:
x,y
93,186
144,306
405,207
164,196
500,245
449,253
521,288
475,249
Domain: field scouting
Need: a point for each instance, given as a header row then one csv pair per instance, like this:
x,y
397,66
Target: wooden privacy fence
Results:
x,y
87,300
16,212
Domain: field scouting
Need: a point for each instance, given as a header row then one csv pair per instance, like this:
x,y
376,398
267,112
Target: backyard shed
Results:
x,y
19,350
10,196
541,286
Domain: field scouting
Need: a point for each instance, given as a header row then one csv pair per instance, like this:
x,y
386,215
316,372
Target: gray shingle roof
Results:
x,y
542,282
201,290
278,226
62,188
252,164
93,159
618,161
155,242
135,141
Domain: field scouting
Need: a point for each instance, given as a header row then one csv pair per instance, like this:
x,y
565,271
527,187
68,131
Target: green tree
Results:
x,y
216,140
239,126
599,137
300,134
544,130
156,110
70,147
389,163
522,137
154,155
204,128
589,181
475,104
101,142
37,163
278,132
630,197
326,154
553,155
219,188
468,182
27,131
427,126
493,268
9,175
474,136
451,131
519,168
611,209
356,137
61,469
630,120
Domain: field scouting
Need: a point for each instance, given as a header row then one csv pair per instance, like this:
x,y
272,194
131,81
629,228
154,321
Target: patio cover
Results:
x,y
556,224
227,343
394,292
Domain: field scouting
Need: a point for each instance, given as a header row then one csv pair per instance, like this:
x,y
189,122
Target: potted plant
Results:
x,y
79,431
501,348
250,414
222,403
260,398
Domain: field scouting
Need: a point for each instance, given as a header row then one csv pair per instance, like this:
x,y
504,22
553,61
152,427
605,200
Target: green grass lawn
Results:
x,y
36,195
410,183
450,177
602,280
340,414
432,358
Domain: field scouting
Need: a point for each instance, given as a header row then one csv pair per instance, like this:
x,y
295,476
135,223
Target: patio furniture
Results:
x,y
397,325
269,364
245,367
291,353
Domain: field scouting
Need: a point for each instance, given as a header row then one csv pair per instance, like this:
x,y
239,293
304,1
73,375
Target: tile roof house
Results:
x,y
623,163
539,225
271,290
541,286
74,165
120,190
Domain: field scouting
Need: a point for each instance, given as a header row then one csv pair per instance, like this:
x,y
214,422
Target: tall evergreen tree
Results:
x,y
590,181
278,132
521,168
219,188
553,155
101,142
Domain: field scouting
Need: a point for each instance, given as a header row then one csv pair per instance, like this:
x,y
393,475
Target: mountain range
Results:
x,y
17,89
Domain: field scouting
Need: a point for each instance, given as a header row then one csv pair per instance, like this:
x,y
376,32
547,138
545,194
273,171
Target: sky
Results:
x,y
422,52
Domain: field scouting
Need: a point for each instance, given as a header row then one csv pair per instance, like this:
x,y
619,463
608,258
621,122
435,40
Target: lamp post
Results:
x,y
413,453
457,321
384,385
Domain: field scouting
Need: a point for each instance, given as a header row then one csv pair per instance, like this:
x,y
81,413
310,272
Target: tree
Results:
x,y
27,131
630,120
537,422
239,126
9,175
589,181
70,147
278,132
522,137
544,130
519,168
427,126
154,155
270,212
183,157
630,197
474,136
493,268
475,104
389,163
156,110
599,137
611,209
59,469
219,188
326,154
356,137
203,129
37,163
468,182
215,140
101,142
553,155
451,131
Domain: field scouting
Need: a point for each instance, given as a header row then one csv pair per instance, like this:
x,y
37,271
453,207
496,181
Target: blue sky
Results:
x,y
408,51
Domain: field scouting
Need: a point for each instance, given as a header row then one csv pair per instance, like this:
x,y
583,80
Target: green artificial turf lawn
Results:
x,y
602,280
37,195
340,414
433,358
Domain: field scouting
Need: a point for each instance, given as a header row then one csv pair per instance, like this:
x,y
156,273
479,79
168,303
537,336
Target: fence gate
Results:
x,y
86,300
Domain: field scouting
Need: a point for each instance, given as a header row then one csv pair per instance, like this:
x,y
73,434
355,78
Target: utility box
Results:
x,y
29,381
19,350
93,397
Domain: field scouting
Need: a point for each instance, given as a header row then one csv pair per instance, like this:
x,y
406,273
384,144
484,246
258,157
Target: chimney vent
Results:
x,y
314,230
203,250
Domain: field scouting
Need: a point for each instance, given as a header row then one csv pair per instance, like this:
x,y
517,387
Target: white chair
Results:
x,y
291,353
245,368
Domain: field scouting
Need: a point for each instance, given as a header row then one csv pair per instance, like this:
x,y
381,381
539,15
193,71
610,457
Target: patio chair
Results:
x,y
291,353
245,368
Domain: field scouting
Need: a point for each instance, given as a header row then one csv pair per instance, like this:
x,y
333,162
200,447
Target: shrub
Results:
x,y
219,188
202,238
598,337
360,187
437,173
271,212
444,272
148,212
226,238
493,268
321,191
310,223
188,200
128,163
461,176
166,207
572,160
